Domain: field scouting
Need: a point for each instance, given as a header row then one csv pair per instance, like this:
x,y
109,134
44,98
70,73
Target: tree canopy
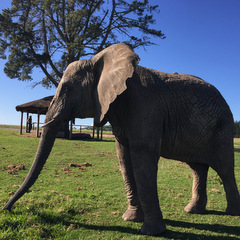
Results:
x,y
237,129
50,34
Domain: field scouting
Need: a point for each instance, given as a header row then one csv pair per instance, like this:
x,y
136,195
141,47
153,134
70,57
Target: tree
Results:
x,y
50,34
237,129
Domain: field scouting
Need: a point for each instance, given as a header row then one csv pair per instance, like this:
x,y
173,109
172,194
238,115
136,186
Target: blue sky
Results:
x,y
202,38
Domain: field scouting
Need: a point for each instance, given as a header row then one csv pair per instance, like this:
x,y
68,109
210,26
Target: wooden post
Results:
x,y
93,131
97,133
101,132
21,124
27,122
71,127
38,118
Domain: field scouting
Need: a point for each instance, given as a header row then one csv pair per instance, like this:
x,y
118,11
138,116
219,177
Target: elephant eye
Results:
x,y
66,87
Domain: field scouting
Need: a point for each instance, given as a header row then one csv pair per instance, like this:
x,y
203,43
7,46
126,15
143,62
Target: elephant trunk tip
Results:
x,y
7,208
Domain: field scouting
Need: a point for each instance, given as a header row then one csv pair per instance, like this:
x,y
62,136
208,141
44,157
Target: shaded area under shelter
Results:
x,y
40,107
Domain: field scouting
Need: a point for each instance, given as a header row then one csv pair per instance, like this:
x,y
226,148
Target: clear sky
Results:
x,y
202,38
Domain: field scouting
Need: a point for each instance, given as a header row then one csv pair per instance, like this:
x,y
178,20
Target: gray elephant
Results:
x,y
152,114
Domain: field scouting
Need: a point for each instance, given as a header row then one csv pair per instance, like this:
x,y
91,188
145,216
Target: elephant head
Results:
x,y
86,89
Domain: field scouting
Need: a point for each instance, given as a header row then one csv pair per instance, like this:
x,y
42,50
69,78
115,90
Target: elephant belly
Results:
x,y
188,145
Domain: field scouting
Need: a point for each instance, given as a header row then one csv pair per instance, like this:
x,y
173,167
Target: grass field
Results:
x,y
87,202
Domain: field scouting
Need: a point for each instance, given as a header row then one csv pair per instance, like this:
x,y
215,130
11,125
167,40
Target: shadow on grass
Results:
x,y
212,212
214,228
237,150
49,219
185,233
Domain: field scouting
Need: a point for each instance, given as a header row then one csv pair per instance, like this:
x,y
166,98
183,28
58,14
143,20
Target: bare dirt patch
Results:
x,y
13,169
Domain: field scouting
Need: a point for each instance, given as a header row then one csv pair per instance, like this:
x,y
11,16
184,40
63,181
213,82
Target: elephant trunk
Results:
x,y
44,148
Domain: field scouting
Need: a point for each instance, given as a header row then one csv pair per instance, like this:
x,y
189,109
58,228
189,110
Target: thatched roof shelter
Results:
x,y
38,106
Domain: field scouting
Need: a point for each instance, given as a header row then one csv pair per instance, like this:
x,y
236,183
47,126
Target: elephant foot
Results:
x,y
233,209
233,212
155,229
133,214
196,207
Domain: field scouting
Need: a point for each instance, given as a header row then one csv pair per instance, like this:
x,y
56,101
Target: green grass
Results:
x,y
87,203
10,126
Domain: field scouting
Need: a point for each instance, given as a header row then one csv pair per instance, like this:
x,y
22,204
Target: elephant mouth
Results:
x,y
56,114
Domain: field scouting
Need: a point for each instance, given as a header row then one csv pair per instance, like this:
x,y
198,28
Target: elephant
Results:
x,y
153,114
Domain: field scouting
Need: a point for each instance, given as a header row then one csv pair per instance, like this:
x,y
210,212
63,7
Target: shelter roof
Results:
x,y
38,106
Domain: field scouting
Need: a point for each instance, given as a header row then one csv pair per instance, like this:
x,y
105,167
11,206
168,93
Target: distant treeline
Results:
x,y
105,128
237,129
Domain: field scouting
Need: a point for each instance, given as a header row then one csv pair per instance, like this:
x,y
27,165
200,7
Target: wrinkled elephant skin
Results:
x,y
152,114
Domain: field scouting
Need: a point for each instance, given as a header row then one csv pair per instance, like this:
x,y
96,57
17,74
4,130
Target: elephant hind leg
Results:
x,y
232,195
224,166
226,173
199,195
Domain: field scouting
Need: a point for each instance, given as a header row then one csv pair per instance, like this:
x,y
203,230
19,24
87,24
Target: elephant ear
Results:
x,y
114,65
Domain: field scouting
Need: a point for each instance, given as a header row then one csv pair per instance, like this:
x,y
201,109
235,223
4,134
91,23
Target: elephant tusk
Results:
x,y
48,123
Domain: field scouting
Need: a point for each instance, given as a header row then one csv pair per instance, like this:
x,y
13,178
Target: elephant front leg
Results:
x,y
145,173
134,211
